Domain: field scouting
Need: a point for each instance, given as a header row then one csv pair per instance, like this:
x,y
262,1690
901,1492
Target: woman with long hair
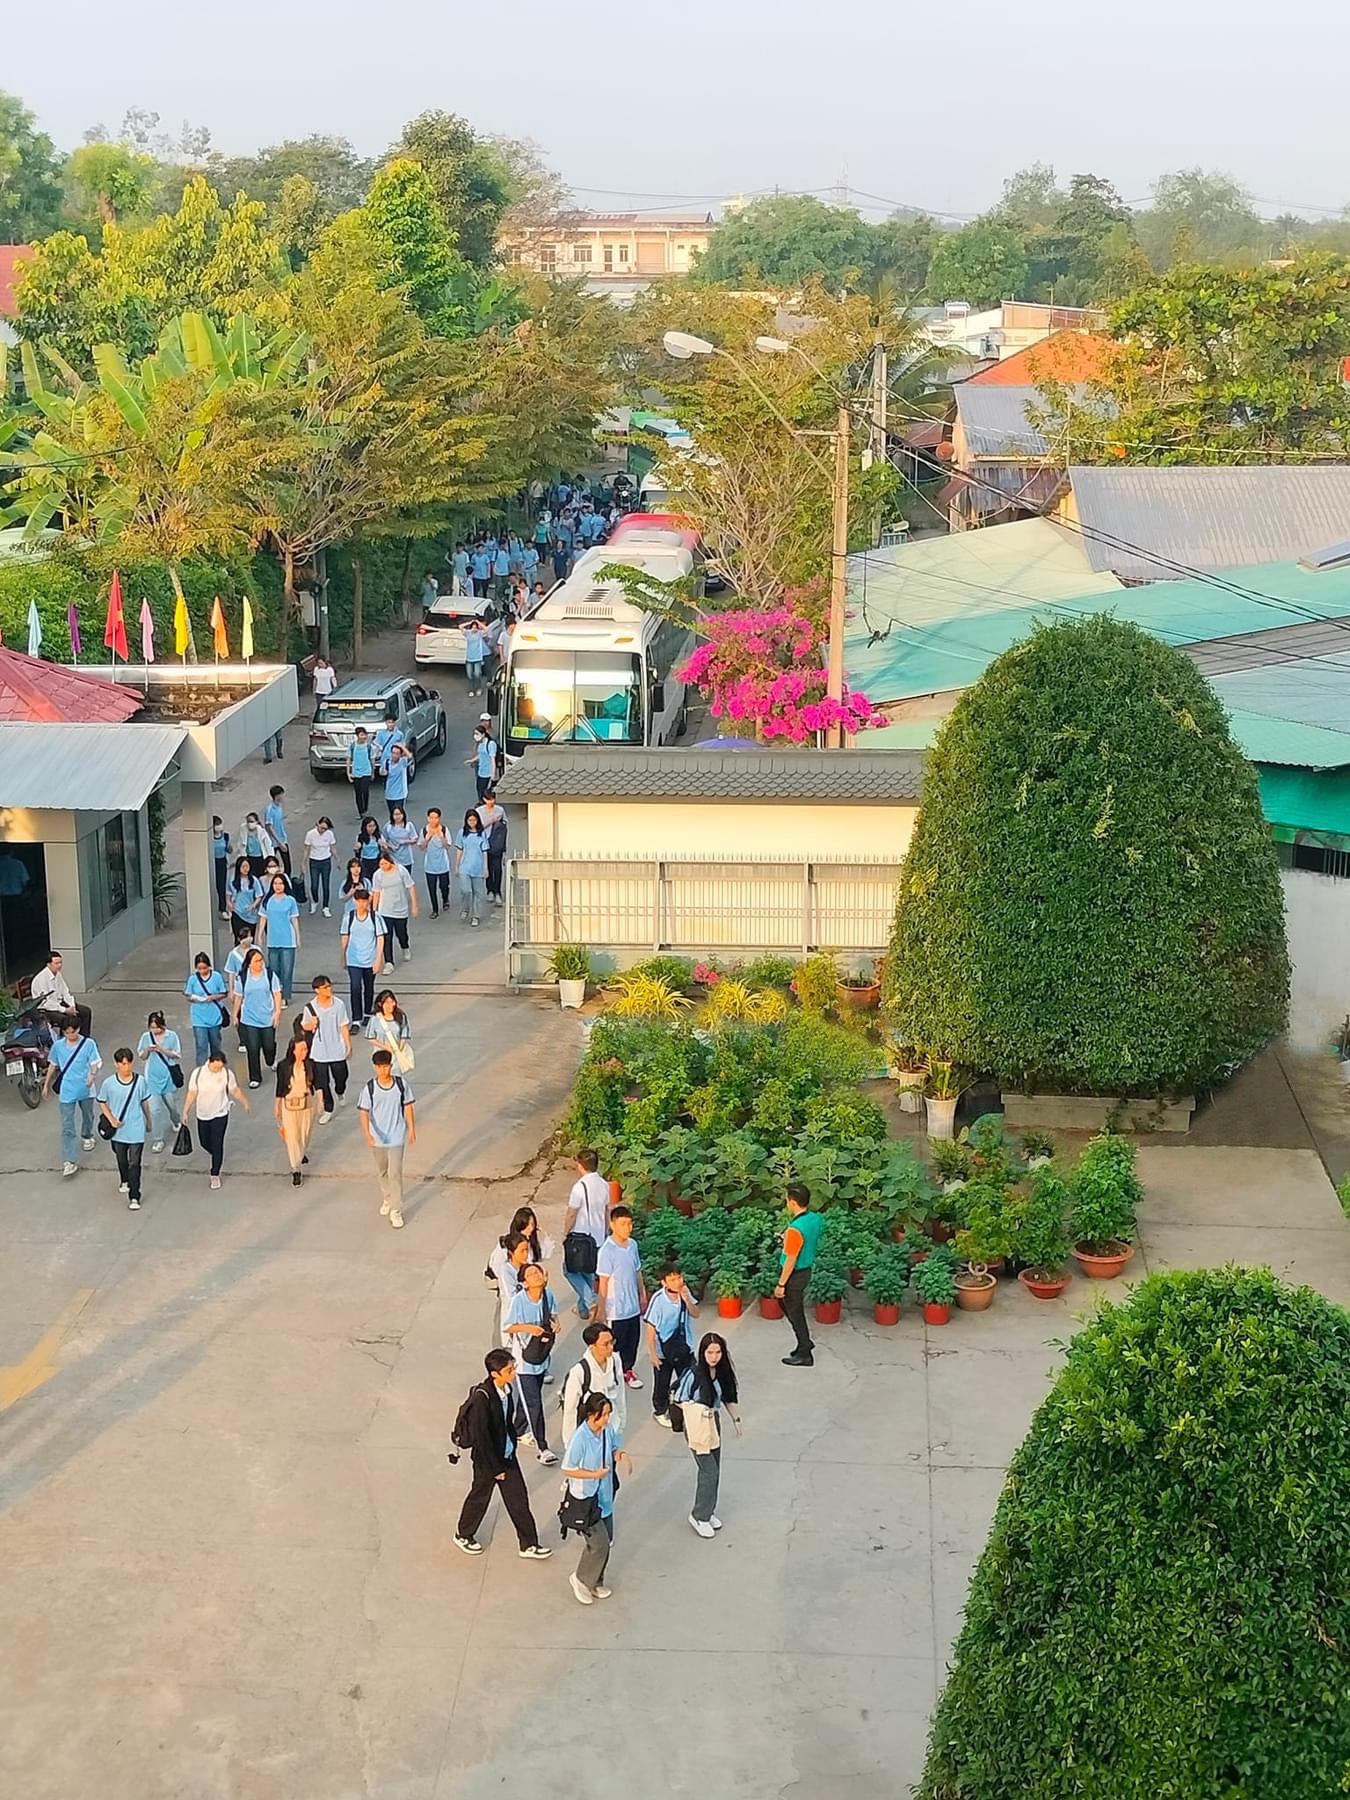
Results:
x,y
213,1090
400,836
297,1089
281,929
161,1050
707,1386
368,847
320,843
244,898
435,841
471,866
257,1003
390,1030
354,878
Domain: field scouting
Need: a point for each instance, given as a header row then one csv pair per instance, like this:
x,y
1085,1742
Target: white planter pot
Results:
x,y
1037,1162
941,1117
911,1099
572,993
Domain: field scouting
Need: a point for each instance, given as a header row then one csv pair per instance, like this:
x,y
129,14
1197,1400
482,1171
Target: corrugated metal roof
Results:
x,y
1210,518
994,418
636,774
93,768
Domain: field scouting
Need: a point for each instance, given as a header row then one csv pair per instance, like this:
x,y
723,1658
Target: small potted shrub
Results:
x,y
951,1162
935,1284
829,1280
763,1280
1037,1146
728,1283
816,983
570,965
984,1242
886,1281
858,990
941,1100
907,1070
1103,1194
1043,1238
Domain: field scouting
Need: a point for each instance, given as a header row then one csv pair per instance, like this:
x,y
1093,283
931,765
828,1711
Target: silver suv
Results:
x,y
365,700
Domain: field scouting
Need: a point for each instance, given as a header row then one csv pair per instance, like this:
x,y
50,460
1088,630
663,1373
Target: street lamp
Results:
x,y
682,345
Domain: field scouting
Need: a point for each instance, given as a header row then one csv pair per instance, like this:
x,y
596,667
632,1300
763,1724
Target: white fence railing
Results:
x,y
625,909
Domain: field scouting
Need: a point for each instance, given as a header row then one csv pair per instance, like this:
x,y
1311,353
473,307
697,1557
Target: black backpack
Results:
x,y
461,1436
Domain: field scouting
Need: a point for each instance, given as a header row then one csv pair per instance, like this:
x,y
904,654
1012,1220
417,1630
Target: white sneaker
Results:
x,y
662,1420
70,1168
384,1209
547,1458
583,1594
407,956
313,908
324,1118
602,1593
157,1146
396,1220
342,1099
215,1181
122,1188
255,1084
714,1521
88,1143
701,1526
134,1205
327,913
535,1553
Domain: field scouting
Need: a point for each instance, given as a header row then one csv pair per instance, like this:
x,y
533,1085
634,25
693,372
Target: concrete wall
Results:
x,y
1317,911
89,954
781,833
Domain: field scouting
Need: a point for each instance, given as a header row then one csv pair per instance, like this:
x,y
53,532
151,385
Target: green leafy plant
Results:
x,y
935,1278
741,1171
944,1081
1103,1194
165,889
1091,826
816,983
829,1278
643,997
859,978
988,1223
661,1234
840,1113
570,962
950,1158
1166,1584
733,1002
1042,1243
730,1276
886,1276
1036,1143
764,1276
1343,1194
672,971
768,972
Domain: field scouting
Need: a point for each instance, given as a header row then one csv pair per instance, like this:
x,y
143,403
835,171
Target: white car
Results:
x,y
440,636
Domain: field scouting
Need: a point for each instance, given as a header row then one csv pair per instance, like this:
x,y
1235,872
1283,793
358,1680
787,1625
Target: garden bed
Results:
x,y
1096,1112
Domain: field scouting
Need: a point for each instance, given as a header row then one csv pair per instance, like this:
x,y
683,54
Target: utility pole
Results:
x,y
838,574
876,436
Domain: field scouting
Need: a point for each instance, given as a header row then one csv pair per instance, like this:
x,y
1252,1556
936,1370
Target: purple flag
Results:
x,y
73,620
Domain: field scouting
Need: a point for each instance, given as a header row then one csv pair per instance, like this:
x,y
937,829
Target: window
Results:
x,y
417,696
110,870
581,253
548,258
623,253
609,259
1317,859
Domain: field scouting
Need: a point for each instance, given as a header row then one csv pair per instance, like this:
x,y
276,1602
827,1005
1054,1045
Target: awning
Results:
x,y
85,768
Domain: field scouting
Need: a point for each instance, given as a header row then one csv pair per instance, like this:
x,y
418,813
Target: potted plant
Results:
x,y
935,1284
859,990
951,1162
985,1240
829,1279
1103,1193
763,1280
907,1070
941,1100
570,965
886,1281
816,983
1043,1240
1037,1146
728,1282
975,1287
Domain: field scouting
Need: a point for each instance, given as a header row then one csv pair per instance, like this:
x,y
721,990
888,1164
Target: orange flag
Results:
x,y
218,637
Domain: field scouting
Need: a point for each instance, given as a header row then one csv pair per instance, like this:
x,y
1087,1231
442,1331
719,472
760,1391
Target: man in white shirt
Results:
x,y
53,998
386,1108
623,1292
327,1023
588,1215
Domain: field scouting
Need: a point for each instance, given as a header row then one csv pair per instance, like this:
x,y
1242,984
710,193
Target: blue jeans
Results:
x,y
281,963
165,1109
70,1138
205,1039
583,1286
472,894
321,881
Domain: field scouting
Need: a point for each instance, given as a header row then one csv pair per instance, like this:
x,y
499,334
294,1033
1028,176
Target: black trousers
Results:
x,y
495,859
627,1337
211,1137
129,1166
284,856
260,1043
532,1394
361,789
393,928
514,1498
665,1375
794,1305
222,871
330,1078
438,892
362,984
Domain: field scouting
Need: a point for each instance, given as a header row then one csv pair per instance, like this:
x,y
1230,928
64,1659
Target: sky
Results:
x,y
666,106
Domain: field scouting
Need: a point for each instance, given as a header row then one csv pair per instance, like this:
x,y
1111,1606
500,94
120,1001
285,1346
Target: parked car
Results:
x,y
365,700
440,636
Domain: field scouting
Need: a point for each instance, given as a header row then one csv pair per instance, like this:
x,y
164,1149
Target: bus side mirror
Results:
x,y
659,697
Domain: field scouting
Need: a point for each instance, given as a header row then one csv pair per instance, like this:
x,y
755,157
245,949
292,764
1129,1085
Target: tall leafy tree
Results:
x,y
404,221
469,177
106,184
30,175
328,163
984,263
1202,215
786,240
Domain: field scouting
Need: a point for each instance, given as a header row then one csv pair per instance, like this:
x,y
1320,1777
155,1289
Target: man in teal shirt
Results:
x,y
801,1240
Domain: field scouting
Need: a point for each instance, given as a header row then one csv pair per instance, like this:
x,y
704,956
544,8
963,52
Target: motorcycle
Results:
x,y
25,1052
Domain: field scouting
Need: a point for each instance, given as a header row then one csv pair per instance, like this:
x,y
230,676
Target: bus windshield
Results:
x,y
574,696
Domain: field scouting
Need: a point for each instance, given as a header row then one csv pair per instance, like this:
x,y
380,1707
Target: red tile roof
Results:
x,y
33,691
1063,356
12,258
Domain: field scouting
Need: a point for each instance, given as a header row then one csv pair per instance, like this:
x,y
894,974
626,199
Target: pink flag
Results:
x,y
147,633
73,621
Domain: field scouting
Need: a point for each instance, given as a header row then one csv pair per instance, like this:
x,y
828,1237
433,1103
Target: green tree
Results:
x,y
786,240
106,184
1090,902
30,175
1162,1608
469,177
982,263
329,164
1201,215
404,220
902,248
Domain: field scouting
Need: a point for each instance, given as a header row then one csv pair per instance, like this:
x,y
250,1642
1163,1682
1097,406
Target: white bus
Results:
x,y
589,667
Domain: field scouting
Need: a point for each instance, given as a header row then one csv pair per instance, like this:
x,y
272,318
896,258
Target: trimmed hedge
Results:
x,y
1162,1611
1091,900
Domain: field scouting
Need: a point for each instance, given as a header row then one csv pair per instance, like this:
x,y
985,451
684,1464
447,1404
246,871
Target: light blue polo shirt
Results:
x,y
396,779
359,758
663,1315
79,1058
473,848
524,1311
363,938
437,858
282,912
157,1076
205,1012
385,739
385,1107
621,1263
247,899
485,757
275,821
114,1094
257,991
592,1450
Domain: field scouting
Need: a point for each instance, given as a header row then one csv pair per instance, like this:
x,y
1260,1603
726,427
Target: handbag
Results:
x,y
675,1345
403,1053
108,1131
182,1144
538,1349
578,1515
175,1069
580,1253
225,1014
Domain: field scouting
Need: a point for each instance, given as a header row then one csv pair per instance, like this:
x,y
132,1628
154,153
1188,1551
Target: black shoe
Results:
x,y
296,1177
799,1362
304,1159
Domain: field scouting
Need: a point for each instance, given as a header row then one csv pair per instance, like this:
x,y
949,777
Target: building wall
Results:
x,y
1317,916
783,833
618,249
89,952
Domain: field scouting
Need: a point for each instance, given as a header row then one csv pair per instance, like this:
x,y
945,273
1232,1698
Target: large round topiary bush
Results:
x,y
1162,1611
1091,901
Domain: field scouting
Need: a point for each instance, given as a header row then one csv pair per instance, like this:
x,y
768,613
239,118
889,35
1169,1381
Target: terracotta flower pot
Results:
x,y
1043,1284
936,1312
855,1277
615,1192
859,999
1106,1267
828,1311
769,1307
940,1232
728,1306
684,1206
886,1315
975,1293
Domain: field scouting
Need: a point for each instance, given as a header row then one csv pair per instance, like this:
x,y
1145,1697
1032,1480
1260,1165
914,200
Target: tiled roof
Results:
x,y
847,776
53,694
11,257
1063,356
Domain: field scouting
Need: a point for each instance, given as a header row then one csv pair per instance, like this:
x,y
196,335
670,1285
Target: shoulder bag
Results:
x,y
539,1349
580,1253
208,995
403,1053
61,1072
109,1131
675,1345
175,1069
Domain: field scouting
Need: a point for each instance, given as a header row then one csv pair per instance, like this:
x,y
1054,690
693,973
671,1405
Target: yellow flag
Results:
x,y
182,629
246,646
